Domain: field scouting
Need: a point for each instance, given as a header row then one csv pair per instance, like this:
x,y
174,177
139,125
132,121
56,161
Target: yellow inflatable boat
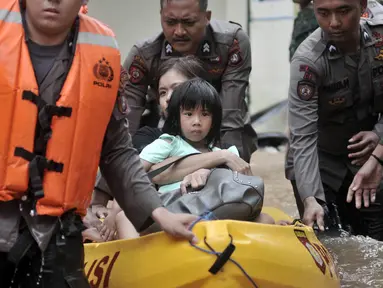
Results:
x,y
265,256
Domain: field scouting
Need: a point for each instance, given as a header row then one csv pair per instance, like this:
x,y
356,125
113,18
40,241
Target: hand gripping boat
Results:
x,y
228,254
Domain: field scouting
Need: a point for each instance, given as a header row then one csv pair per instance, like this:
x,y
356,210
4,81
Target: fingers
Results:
x,y
196,182
183,187
308,220
184,233
185,184
356,137
366,197
180,229
103,228
358,198
373,195
320,220
355,186
361,154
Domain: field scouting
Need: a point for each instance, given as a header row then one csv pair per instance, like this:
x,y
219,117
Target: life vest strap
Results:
x,y
37,165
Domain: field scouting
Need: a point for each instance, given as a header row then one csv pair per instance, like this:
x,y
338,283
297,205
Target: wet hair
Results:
x,y
189,66
190,95
202,4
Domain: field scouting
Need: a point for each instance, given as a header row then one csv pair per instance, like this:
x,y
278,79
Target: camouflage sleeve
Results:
x,y
303,118
136,87
235,80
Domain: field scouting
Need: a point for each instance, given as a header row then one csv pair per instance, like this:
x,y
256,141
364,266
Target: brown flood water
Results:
x,y
359,259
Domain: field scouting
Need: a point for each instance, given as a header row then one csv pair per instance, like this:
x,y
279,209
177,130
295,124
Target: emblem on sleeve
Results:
x,y
124,77
235,57
305,90
378,39
103,73
137,70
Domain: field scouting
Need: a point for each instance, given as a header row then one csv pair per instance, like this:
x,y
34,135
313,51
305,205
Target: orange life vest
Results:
x,y
77,123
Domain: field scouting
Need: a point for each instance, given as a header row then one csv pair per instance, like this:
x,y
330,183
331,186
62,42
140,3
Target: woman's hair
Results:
x,y
189,66
190,95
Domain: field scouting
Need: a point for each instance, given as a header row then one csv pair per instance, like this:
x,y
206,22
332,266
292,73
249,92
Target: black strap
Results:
x,y
37,165
46,111
21,247
380,161
222,259
49,165
158,171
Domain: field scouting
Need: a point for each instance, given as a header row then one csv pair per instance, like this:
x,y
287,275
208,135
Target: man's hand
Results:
x,y
313,212
362,145
175,224
196,180
236,163
90,220
108,227
365,183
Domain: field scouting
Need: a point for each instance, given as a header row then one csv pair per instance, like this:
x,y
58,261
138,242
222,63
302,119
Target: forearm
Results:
x,y
187,166
123,171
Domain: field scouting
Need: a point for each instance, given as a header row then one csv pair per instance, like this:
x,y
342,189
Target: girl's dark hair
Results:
x,y
190,95
189,66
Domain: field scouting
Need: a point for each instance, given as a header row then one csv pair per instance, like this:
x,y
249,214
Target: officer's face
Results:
x,y
167,83
339,19
184,24
51,17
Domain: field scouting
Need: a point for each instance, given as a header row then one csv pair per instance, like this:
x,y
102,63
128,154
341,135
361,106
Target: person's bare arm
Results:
x,y
209,160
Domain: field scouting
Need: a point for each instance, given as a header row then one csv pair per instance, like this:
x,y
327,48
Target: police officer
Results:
x,y
335,98
304,24
58,114
222,46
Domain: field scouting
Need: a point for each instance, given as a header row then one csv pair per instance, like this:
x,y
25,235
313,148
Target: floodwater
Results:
x,y
359,259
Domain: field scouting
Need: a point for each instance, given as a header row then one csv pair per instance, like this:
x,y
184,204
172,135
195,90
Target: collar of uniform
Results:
x,y
366,41
206,49
168,51
366,36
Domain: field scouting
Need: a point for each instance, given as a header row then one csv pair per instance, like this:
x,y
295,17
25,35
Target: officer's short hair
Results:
x,y
202,4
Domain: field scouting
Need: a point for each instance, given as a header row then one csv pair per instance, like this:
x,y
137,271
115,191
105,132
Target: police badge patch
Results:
x,y
305,90
235,57
135,74
137,70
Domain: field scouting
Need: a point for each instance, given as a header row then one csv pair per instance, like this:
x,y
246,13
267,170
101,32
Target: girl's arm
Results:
x,y
156,152
193,163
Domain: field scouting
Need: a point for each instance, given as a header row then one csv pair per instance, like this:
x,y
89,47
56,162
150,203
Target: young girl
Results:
x,y
193,125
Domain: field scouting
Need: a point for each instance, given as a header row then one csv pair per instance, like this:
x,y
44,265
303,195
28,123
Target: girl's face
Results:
x,y
167,83
195,124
